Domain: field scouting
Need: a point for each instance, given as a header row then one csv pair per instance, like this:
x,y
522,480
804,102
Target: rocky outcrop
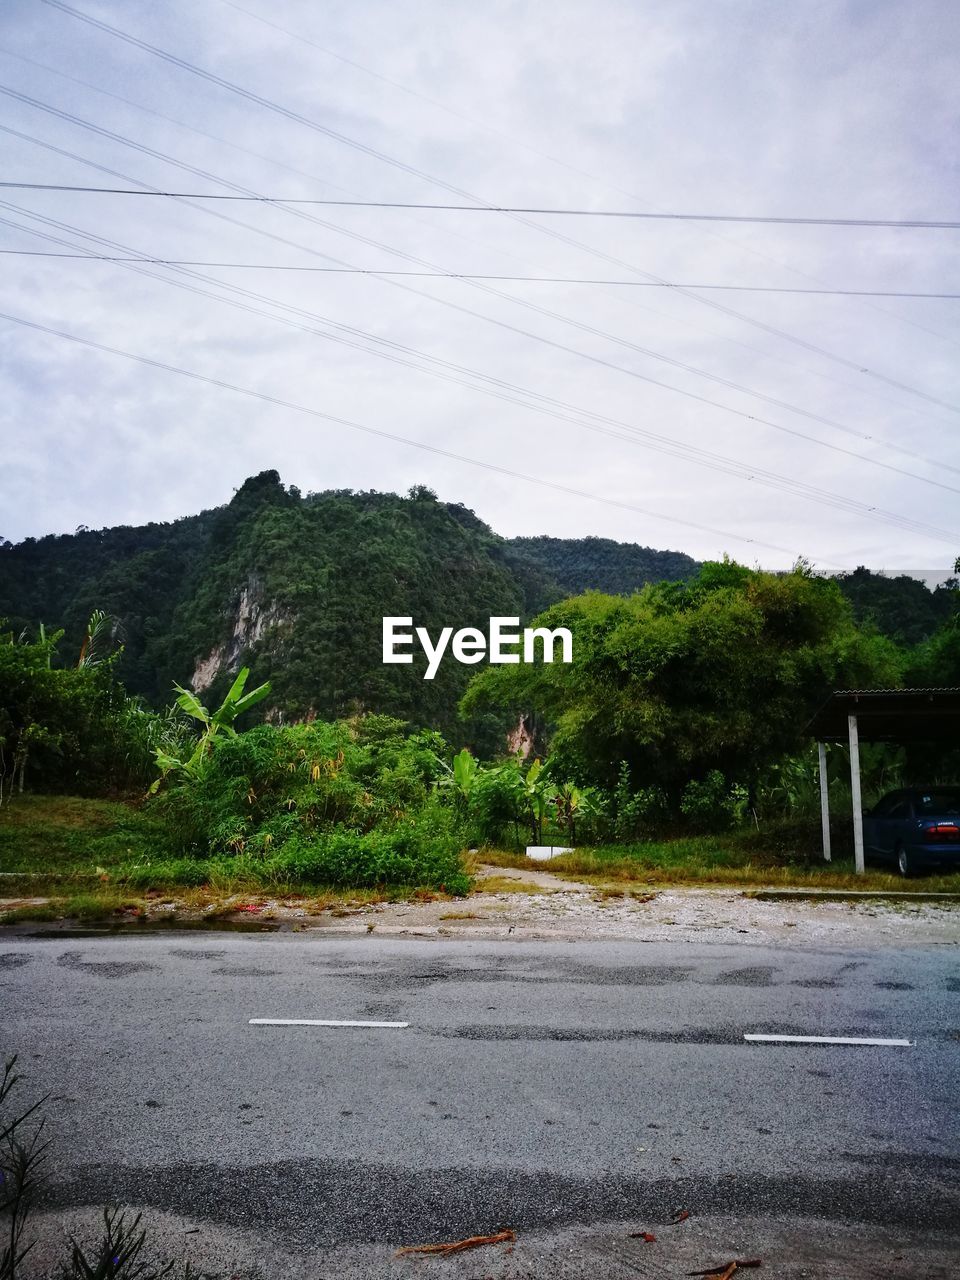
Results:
x,y
524,737
253,618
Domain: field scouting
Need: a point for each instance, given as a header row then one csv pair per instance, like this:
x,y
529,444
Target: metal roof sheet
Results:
x,y
890,715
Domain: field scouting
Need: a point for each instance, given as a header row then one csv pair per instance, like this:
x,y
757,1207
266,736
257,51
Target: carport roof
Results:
x,y
890,715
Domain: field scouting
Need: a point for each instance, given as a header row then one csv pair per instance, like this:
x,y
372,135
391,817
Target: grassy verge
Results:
x,y
784,857
736,860
68,837
97,860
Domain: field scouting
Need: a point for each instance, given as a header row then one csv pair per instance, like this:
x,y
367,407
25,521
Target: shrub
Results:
x,y
713,805
70,729
637,814
424,850
334,803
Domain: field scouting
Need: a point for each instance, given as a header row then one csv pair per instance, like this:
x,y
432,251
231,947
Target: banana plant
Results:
x,y
569,804
462,777
219,721
538,793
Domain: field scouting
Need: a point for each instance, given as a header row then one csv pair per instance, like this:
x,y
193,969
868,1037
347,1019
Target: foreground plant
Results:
x,y
119,1253
22,1154
214,723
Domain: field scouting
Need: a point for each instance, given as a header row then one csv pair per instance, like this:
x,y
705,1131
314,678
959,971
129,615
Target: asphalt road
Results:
x,y
556,1089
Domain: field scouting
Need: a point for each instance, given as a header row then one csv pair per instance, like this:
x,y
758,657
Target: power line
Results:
x,y
446,302
447,231
375,431
660,442
272,160
657,442
513,140
647,215
412,171
473,275
397,353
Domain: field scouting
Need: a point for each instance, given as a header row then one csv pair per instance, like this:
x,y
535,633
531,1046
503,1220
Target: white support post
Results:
x,y
855,795
824,800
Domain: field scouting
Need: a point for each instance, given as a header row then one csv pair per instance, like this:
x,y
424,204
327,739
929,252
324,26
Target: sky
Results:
x,y
760,424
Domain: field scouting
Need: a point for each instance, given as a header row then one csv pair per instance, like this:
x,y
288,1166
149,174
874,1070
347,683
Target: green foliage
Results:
x,y
573,805
461,777
501,801
222,720
935,664
713,804
69,728
637,814
419,850
335,803
599,564
102,631
789,789
294,587
901,608
722,673
72,835
786,855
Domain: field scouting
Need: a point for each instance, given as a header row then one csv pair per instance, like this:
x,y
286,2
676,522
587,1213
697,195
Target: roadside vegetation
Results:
x,y
672,750
730,861
118,1249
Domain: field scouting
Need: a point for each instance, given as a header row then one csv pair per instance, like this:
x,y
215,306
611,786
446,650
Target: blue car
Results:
x,y
917,829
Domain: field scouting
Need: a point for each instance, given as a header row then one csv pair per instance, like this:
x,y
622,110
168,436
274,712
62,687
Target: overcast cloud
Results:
x,y
721,106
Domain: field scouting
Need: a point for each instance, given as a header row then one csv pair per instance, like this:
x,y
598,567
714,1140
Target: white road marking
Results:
x,y
320,1022
829,1040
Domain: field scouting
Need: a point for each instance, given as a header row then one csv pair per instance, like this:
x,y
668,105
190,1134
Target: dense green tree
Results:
x,y
935,664
902,607
681,678
295,587
600,564
68,728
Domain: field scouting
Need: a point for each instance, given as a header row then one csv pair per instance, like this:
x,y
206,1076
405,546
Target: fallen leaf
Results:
x,y
725,1270
459,1246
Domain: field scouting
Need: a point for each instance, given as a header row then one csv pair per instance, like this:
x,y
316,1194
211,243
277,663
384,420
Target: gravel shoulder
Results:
x,y
549,908
569,911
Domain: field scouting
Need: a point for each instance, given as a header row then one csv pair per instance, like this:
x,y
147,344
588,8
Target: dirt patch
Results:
x,y
679,915
534,904
547,906
539,879
788,1248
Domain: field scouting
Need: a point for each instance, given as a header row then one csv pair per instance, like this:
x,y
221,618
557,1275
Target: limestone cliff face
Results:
x,y
526,737
253,619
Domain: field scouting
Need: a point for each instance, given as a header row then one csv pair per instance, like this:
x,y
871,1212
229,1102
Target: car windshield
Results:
x,y
939,801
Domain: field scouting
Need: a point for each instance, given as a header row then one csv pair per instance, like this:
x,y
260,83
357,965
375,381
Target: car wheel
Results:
x,y
904,865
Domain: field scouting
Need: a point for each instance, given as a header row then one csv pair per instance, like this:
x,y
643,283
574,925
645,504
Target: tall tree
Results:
x,y
721,673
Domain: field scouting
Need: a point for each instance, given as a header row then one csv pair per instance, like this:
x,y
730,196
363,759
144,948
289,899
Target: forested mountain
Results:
x,y
902,608
600,564
296,587
293,586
